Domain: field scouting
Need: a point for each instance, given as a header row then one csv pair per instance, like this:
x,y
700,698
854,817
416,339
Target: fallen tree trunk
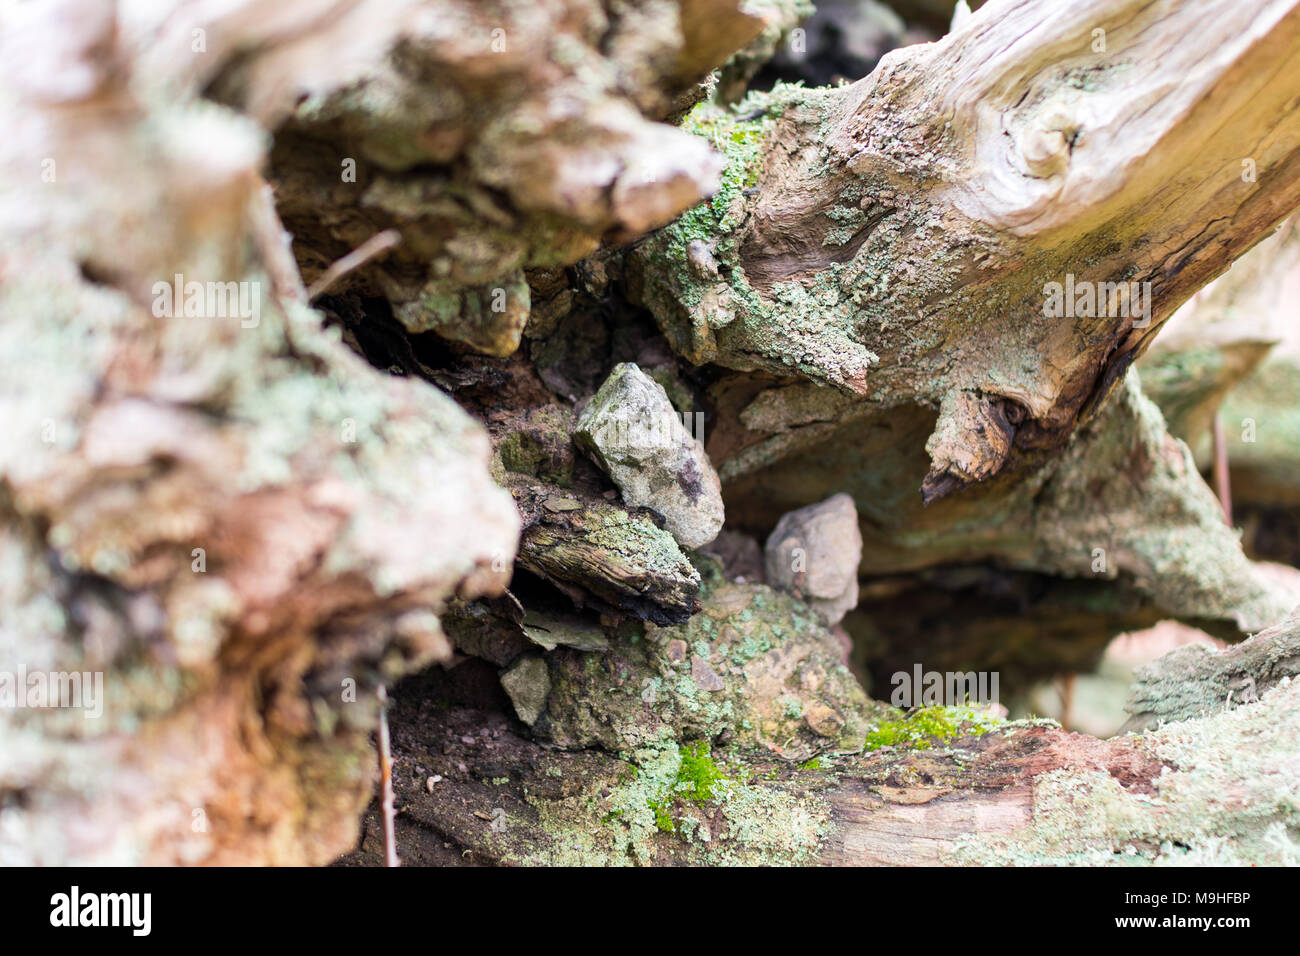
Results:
x,y
1220,788
249,530
879,261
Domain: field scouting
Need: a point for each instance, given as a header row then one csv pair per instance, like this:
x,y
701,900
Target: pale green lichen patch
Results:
x,y
1160,524
1229,795
690,273
755,667
681,802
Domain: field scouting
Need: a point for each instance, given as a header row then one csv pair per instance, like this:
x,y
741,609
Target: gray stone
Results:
x,y
814,553
550,631
528,682
705,677
632,432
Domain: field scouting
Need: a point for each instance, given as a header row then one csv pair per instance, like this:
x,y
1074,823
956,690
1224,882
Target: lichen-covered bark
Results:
x,y
230,517
1194,681
246,528
1219,789
500,137
238,522
875,269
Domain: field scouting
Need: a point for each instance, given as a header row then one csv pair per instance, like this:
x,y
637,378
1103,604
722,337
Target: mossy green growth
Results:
x,y
699,780
920,730
699,774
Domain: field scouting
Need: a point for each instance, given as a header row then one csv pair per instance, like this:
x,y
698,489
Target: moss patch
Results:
x,y
930,725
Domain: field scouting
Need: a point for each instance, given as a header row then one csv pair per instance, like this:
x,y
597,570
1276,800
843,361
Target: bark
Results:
x,y
249,529
224,516
1215,789
875,266
243,527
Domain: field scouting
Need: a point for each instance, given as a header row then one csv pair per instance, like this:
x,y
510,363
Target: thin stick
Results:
x,y
275,248
1067,700
386,782
1222,486
379,242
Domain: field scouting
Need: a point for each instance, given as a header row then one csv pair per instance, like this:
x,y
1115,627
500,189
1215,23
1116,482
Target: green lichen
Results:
x,y
783,685
1228,794
707,304
675,801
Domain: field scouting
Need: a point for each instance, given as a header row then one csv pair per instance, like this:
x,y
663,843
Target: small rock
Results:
x,y
528,682
632,431
705,677
555,504
814,554
700,256
676,651
823,720
550,631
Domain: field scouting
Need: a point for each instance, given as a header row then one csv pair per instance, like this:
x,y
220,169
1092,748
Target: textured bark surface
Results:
x,y
226,516
1194,681
1220,789
248,520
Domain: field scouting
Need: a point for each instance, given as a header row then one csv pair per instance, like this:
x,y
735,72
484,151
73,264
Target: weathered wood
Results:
x,y
1216,790
248,529
1193,681
877,270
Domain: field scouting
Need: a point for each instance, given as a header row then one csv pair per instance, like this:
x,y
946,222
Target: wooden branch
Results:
x,y
879,270
595,549
1219,789
1194,681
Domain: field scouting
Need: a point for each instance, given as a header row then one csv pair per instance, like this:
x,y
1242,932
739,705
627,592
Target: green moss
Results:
x,y
519,454
742,143
920,730
698,774
698,781
651,807
663,819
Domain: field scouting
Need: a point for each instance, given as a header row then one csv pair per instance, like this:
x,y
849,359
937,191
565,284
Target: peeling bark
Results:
x,y
249,529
